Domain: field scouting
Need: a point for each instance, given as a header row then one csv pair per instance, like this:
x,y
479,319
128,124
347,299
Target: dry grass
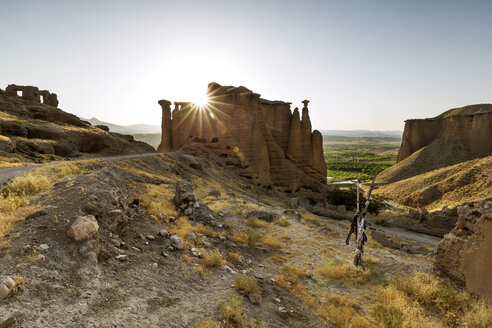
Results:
x,y
270,241
254,222
341,312
253,237
338,270
246,284
234,258
285,237
18,194
452,185
9,161
278,258
283,222
232,312
239,237
419,300
212,260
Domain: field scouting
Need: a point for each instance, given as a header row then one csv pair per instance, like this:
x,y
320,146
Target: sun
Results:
x,y
200,100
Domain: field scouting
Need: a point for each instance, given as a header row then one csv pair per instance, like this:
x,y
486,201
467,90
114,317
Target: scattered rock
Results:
x,y
164,233
165,254
263,215
150,237
122,257
44,247
191,235
188,211
6,287
184,193
176,242
196,205
83,228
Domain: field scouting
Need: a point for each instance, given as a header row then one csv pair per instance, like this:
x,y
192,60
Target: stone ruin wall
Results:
x,y
473,131
273,145
31,93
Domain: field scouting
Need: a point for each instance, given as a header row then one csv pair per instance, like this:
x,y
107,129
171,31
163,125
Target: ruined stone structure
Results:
x,y
271,144
464,253
470,126
31,93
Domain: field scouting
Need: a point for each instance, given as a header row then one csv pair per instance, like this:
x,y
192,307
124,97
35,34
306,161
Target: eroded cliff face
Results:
x,y
464,253
474,131
271,144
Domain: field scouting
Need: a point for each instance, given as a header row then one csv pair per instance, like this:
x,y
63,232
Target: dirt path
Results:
x,y
9,173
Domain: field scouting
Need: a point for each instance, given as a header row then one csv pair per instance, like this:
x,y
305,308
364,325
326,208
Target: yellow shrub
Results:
x,y
232,312
254,222
268,240
283,222
212,259
29,185
234,257
285,237
246,284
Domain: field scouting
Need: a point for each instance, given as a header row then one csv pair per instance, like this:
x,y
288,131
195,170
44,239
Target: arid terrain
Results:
x,y
120,236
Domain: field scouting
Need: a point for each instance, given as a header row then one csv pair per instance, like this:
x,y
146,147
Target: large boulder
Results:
x,y
184,193
83,228
464,253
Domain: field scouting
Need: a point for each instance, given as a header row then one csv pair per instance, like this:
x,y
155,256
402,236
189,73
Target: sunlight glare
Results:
x,y
200,100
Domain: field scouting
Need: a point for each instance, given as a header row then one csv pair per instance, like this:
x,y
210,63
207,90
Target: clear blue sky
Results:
x,y
363,64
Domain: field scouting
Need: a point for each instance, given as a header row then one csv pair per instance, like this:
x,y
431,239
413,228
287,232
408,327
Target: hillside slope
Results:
x,y
449,186
35,131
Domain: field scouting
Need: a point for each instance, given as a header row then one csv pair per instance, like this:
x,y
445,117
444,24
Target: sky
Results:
x,y
362,64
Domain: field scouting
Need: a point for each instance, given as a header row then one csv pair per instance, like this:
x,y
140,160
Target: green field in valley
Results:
x,y
347,156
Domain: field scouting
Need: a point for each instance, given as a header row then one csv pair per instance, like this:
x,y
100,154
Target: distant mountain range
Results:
x,y
363,133
127,129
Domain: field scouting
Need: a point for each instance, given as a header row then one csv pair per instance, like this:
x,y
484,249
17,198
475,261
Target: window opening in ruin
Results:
x,y
19,93
42,99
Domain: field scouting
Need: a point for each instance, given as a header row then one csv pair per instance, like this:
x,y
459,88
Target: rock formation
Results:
x,y
455,136
31,129
464,253
474,130
271,144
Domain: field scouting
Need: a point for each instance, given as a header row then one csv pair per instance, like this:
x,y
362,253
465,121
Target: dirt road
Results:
x,y
9,173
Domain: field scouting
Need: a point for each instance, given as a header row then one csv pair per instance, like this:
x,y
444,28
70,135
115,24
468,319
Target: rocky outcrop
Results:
x,y
272,145
33,129
464,253
455,136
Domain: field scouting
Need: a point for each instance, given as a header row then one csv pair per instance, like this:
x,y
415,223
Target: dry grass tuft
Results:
x,y
341,312
213,259
253,237
246,284
232,312
254,222
269,241
234,258
285,237
29,184
278,258
338,270
283,222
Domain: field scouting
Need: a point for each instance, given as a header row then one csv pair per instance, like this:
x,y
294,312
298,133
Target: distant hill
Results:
x,y
127,129
363,133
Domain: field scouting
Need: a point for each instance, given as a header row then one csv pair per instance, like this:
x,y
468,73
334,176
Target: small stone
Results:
x,y
44,247
93,196
191,235
135,248
172,219
165,254
196,205
122,257
154,218
228,268
244,271
176,242
115,242
261,265
40,257
277,299
141,236
272,280
309,274
282,309
219,225
170,248
6,287
115,213
164,233
222,237
150,237
258,276
154,265
26,249
83,228
188,211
